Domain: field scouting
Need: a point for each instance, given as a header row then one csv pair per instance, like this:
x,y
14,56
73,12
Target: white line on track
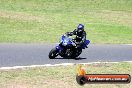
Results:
x,y
50,65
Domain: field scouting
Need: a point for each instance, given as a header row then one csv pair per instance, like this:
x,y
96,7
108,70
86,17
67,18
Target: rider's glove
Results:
x,y
68,33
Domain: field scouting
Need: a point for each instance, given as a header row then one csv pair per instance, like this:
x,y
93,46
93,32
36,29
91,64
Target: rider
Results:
x,y
80,34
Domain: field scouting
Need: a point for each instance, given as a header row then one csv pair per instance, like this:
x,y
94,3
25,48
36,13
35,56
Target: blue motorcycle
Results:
x,y
68,48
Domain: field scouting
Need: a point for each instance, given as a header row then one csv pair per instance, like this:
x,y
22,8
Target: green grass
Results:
x,y
61,76
40,21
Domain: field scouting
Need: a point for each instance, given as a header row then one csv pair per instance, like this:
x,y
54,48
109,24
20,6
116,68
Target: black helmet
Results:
x,y
80,28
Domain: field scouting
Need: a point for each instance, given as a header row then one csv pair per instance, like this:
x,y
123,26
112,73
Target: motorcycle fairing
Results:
x,y
85,44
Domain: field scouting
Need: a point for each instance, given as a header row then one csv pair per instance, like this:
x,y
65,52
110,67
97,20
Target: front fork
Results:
x,y
59,49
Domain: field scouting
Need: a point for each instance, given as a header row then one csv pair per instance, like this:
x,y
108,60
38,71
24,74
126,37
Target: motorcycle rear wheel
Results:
x,y
77,53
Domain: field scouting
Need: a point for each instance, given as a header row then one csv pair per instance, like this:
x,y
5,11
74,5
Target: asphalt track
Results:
x,y
37,54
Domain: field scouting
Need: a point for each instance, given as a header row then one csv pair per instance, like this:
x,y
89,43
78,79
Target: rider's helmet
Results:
x,y
80,29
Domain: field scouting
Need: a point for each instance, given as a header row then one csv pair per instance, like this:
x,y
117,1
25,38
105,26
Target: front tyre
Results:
x,y
53,53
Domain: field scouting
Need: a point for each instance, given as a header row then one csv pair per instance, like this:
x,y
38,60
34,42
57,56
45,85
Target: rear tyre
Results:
x,y
77,52
53,53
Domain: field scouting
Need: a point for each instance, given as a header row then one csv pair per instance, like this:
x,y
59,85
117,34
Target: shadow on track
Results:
x,y
79,58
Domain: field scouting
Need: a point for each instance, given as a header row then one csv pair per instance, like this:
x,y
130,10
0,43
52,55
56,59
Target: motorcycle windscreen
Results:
x,y
62,38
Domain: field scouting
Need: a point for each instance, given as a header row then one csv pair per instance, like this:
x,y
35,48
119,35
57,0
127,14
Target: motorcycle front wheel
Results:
x,y
53,53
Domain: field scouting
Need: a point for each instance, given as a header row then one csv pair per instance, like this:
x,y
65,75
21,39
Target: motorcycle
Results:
x,y
67,48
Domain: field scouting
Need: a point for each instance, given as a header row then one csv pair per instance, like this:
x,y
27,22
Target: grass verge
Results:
x,y
40,21
61,76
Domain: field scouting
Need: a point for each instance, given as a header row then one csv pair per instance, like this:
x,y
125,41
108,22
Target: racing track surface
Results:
x,y
37,54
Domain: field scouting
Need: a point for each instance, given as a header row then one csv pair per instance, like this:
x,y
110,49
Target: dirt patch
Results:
x,y
57,84
16,86
121,17
19,16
